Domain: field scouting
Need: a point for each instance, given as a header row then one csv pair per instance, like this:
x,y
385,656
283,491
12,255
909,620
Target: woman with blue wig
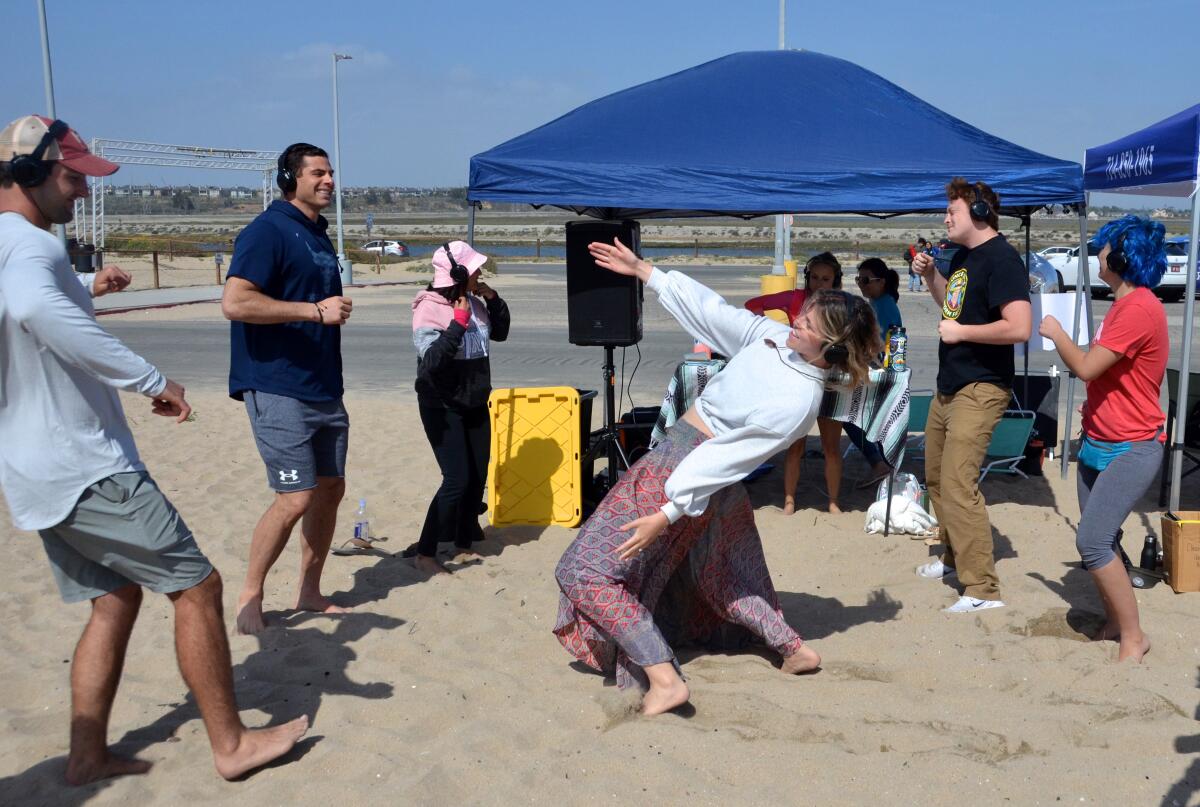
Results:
x,y
1121,448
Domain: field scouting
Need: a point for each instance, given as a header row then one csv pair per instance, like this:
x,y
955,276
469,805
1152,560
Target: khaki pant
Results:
x,y
956,440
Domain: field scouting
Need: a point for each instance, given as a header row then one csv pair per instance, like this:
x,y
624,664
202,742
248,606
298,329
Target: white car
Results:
x,y
1065,261
1175,278
1171,289
397,248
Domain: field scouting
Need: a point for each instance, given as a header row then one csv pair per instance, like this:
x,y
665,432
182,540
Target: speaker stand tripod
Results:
x,y
606,440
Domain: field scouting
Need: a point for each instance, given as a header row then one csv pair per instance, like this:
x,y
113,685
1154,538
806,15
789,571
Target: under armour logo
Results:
x,y
289,477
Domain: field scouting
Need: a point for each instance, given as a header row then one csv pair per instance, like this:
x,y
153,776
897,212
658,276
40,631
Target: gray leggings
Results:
x,y
1107,497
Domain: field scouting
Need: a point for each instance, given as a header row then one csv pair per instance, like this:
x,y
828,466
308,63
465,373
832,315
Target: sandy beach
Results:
x,y
454,691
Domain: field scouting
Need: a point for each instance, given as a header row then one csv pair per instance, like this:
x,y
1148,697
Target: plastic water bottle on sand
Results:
x,y
362,523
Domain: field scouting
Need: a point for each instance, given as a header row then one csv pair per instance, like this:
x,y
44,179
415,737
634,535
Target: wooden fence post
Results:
x,y
696,249
154,258
538,254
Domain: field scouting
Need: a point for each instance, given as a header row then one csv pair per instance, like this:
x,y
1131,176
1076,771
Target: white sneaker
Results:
x,y
935,570
966,605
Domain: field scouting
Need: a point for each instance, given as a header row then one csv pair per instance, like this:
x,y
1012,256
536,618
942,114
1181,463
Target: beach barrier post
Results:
x,y
154,262
539,247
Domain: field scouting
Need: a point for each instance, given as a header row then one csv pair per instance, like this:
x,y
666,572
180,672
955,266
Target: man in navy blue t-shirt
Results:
x,y
284,298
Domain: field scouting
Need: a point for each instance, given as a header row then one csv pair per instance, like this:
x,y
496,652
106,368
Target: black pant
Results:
x,y
460,441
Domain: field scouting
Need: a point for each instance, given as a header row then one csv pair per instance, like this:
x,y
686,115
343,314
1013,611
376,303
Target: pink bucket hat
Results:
x,y
464,255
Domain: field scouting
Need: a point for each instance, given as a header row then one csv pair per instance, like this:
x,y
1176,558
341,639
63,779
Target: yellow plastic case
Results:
x,y
538,436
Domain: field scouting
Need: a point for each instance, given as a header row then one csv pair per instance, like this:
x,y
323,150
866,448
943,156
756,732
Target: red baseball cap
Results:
x,y
22,137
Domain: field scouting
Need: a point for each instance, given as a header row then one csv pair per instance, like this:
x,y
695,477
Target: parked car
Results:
x,y
1174,281
1171,289
1066,262
397,248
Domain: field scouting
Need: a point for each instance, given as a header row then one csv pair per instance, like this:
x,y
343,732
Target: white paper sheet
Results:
x,y
1057,306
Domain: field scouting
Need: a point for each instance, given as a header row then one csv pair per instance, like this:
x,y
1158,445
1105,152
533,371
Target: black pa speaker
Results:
x,y
603,308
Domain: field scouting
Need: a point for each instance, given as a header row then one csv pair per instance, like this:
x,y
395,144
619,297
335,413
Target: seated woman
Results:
x,y
881,286
1121,449
680,513
822,271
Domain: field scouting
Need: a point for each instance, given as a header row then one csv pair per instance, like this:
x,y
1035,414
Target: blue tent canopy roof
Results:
x,y
1163,159
762,132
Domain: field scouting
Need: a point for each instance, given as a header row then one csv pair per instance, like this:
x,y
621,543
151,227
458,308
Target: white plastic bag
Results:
x,y
907,516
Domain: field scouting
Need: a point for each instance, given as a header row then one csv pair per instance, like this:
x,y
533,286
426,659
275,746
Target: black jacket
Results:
x,y
459,383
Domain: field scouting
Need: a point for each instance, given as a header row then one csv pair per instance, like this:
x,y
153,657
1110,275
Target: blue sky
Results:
x,y
433,83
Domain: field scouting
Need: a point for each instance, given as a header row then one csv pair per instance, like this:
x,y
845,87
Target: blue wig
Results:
x,y
1142,242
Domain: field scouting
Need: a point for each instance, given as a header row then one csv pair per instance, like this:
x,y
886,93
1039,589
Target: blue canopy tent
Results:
x,y
1160,160
761,132
758,133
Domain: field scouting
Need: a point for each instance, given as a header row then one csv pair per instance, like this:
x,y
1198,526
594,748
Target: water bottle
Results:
x,y
898,349
1150,553
362,523
887,346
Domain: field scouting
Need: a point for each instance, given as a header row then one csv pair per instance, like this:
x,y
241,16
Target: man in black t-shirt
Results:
x,y
984,296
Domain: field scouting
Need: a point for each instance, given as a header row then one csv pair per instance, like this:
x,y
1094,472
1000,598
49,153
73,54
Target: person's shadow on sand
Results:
x,y
1189,784
293,668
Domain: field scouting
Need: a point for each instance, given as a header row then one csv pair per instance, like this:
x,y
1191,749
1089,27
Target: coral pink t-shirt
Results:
x,y
1122,404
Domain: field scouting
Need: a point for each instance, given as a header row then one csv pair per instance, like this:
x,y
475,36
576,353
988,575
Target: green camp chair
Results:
x,y
1009,440
919,401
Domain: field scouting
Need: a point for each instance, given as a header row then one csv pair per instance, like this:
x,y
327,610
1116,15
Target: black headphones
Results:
x,y
30,170
458,272
1117,262
836,354
828,259
284,178
980,210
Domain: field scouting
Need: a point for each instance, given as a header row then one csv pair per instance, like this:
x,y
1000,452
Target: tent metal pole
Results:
x,y
1185,359
1027,220
1083,285
471,223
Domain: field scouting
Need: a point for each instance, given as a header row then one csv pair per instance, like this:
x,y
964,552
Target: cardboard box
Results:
x,y
1181,549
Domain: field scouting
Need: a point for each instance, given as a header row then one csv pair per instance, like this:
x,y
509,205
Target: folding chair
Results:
x,y
919,401
1009,441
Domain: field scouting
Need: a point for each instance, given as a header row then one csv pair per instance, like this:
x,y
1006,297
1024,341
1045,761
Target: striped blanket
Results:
x,y
879,407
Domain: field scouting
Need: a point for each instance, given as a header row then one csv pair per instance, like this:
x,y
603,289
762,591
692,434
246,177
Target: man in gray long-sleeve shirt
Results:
x,y
70,469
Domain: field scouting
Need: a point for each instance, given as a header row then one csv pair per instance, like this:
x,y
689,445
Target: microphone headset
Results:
x,y
979,209
30,170
458,272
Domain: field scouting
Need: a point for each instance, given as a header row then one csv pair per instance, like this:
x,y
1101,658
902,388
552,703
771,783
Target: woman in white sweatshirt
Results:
x,y
678,517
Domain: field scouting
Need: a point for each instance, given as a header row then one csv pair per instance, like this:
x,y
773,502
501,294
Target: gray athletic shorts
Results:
x,y
123,531
298,440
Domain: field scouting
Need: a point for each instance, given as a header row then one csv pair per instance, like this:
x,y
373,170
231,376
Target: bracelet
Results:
x,y
320,313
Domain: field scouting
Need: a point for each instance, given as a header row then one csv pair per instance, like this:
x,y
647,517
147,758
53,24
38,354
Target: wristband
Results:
x,y
462,317
320,313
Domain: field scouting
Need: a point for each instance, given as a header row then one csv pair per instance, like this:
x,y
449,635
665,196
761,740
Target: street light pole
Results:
x,y
48,80
783,235
344,266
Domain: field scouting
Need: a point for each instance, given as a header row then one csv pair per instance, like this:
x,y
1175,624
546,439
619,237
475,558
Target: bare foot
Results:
x,y
833,508
464,553
1108,632
82,771
1134,649
319,604
250,616
257,747
429,565
789,505
664,699
803,660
